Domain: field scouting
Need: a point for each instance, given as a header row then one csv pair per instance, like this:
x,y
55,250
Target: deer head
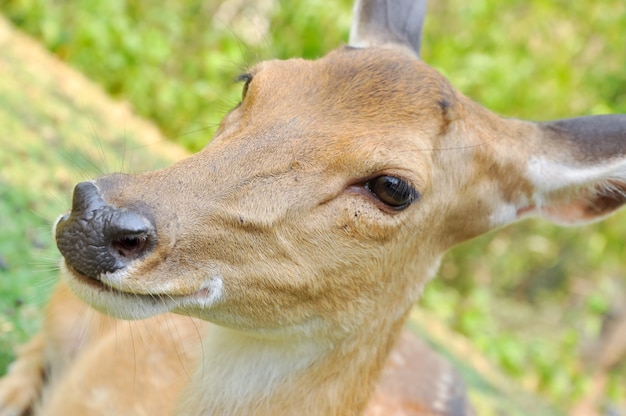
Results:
x,y
328,195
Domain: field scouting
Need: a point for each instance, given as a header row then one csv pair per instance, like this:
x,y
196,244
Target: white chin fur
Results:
x,y
123,305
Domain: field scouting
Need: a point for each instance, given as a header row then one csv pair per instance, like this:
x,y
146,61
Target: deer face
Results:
x,y
314,199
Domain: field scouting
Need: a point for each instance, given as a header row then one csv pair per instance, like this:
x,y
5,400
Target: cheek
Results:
x,y
361,221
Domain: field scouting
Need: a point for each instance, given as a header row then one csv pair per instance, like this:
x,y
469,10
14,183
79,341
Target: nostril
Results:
x,y
131,247
128,234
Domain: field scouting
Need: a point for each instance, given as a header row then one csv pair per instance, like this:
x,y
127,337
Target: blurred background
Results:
x,y
545,306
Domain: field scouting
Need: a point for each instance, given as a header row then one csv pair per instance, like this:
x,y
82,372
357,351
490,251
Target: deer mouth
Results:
x,y
129,304
99,284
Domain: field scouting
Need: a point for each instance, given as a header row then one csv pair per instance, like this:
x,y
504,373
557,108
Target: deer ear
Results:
x,y
380,22
579,171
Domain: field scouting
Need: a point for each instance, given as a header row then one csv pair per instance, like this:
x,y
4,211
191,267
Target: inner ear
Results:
x,y
586,204
609,197
568,195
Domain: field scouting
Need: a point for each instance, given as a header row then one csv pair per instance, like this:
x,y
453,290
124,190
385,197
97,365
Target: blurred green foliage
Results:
x,y
531,296
176,63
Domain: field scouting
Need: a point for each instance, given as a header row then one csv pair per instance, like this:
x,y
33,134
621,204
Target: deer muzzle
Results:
x,y
96,238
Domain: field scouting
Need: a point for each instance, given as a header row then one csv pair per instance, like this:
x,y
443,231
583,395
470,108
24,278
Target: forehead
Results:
x,y
374,108
370,89
376,85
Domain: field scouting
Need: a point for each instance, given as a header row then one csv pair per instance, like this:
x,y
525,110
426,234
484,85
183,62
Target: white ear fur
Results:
x,y
573,195
383,22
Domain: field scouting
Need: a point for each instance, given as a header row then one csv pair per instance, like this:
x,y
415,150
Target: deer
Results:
x,y
273,271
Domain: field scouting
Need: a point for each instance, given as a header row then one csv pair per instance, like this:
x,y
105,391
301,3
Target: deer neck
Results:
x,y
245,374
305,371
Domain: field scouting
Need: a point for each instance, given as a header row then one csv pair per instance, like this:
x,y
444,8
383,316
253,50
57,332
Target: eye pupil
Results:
x,y
392,191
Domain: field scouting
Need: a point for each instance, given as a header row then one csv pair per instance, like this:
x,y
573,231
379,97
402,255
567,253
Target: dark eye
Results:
x,y
246,79
392,191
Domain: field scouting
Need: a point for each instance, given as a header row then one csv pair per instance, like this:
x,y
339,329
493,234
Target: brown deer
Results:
x,y
273,271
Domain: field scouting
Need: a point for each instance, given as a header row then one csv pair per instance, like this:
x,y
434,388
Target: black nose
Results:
x,y
96,238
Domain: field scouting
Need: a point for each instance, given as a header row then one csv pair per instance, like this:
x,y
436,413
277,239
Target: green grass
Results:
x,y
56,131
530,297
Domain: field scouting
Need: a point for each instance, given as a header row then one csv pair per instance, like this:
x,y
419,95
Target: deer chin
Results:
x,y
123,303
